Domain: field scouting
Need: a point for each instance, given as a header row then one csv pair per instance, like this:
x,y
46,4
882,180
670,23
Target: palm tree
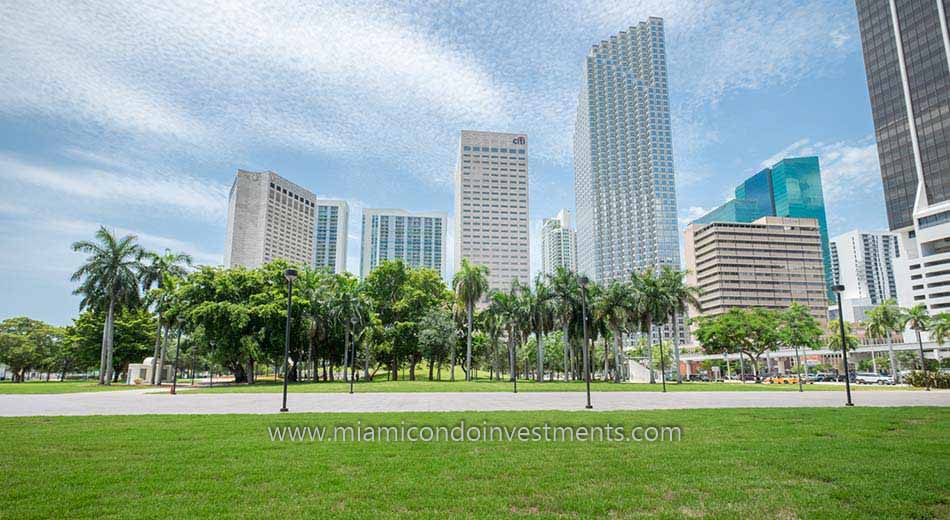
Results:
x,y
109,280
834,340
350,307
540,317
317,287
508,308
654,307
882,322
940,331
565,292
613,307
493,322
470,284
159,270
681,297
918,319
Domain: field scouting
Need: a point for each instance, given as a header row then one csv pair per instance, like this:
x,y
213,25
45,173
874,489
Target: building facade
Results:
x,y
770,263
907,60
417,238
491,205
558,243
791,188
863,262
623,158
269,217
331,234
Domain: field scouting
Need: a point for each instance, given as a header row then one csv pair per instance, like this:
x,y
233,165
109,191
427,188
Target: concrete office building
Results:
x,y
417,238
907,60
789,188
491,205
623,158
771,263
331,234
269,217
558,243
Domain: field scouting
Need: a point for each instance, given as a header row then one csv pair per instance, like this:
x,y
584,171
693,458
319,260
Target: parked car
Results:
x,y
781,380
870,378
698,378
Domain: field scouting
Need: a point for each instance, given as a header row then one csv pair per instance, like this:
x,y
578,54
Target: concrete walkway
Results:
x,y
139,402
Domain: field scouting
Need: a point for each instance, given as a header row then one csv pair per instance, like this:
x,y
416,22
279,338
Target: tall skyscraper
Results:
x,y
770,262
907,60
417,238
269,217
558,243
330,235
491,205
863,262
790,188
623,158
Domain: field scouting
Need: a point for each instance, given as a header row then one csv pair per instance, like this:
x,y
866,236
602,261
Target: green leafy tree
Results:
x,y
436,338
132,338
108,282
940,331
27,344
798,330
834,339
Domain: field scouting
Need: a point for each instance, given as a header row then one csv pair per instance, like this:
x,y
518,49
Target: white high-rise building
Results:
x,y
491,205
418,238
269,217
558,243
330,234
623,158
863,262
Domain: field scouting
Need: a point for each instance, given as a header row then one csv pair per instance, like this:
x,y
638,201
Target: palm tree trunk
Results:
x,y
565,341
103,350
511,355
676,350
650,350
468,342
366,360
110,338
920,347
540,338
890,352
494,357
158,342
161,356
617,340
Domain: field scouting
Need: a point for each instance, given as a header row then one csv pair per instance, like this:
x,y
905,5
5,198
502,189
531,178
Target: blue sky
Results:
x,y
137,117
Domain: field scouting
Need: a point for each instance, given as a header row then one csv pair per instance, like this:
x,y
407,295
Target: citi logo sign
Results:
x,y
519,140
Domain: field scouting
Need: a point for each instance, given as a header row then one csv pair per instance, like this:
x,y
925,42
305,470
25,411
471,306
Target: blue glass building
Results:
x,y
790,188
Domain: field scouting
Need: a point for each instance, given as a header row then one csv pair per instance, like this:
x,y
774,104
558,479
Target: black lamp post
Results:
x,y
350,331
290,275
838,289
181,324
583,281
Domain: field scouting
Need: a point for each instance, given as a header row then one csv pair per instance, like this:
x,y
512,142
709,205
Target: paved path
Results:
x,y
138,402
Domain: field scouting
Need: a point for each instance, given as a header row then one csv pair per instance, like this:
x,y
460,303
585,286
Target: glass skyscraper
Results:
x,y
790,188
623,158
907,59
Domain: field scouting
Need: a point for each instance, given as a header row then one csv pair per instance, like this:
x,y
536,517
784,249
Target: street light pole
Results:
x,y
290,275
838,289
181,323
583,281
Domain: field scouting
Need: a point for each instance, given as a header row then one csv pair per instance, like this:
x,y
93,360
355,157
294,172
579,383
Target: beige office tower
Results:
x,y
269,217
491,205
771,262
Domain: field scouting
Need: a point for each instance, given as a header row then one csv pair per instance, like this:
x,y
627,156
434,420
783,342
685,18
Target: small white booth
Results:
x,y
141,373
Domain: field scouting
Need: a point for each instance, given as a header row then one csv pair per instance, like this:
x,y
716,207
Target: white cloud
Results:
x,y
848,168
154,191
691,214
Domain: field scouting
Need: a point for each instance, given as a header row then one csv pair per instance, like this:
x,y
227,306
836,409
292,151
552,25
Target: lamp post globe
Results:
x,y
290,275
838,289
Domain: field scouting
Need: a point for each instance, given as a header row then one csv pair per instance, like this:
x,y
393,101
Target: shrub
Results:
x,y
931,379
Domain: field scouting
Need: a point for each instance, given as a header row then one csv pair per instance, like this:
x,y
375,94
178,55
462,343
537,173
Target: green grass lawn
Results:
x,y
524,386
765,463
57,387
